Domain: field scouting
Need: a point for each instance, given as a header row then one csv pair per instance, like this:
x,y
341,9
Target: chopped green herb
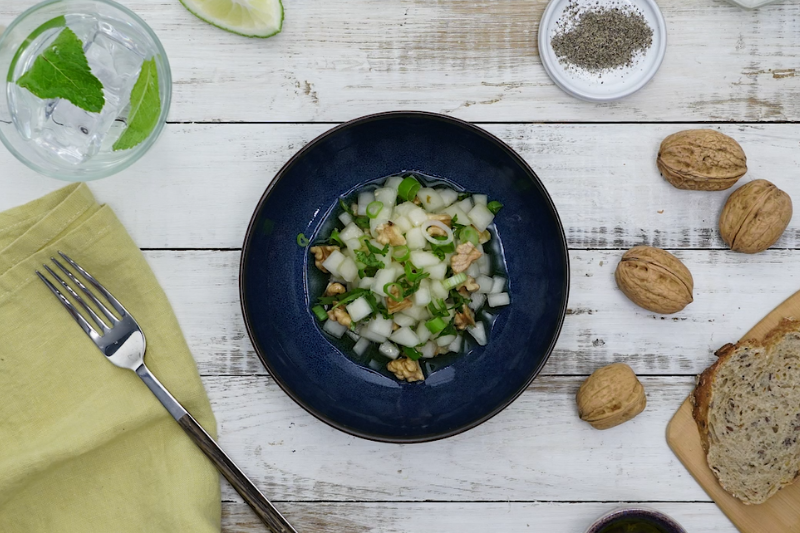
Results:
x,y
441,250
438,308
62,71
346,208
413,273
449,330
342,299
464,195
458,300
370,260
302,240
336,239
377,307
372,248
455,224
494,206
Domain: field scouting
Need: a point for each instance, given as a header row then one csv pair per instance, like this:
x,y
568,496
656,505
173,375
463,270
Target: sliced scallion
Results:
x,y
494,206
454,281
320,313
302,240
401,253
390,294
374,209
469,234
436,325
411,353
408,188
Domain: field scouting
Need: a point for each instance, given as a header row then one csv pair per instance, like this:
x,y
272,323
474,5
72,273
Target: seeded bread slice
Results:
x,y
747,408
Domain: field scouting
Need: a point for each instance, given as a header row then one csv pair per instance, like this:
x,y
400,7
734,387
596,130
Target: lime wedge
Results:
x,y
251,18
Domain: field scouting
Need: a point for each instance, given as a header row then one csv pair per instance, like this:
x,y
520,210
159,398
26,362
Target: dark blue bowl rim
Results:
x,y
248,238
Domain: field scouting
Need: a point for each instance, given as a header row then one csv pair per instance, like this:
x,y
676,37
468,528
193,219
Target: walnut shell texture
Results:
x,y
701,160
610,396
655,279
755,216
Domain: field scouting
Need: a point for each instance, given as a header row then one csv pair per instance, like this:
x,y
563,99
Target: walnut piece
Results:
x,y
334,289
388,233
321,253
406,369
464,318
610,396
754,217
471,285
655,280
465,254
339,315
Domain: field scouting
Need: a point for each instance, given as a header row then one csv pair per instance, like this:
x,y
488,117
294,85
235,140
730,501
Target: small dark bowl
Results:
x,y
659,522
275,285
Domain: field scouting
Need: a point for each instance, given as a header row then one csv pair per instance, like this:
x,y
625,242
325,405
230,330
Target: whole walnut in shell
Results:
x,y
655,279
755,216
610,396
701,160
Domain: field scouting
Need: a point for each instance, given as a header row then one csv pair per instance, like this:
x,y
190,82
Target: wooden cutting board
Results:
x,y
779,514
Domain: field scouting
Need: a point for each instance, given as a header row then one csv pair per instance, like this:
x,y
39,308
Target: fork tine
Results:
x,y
109,315
87,328
103,327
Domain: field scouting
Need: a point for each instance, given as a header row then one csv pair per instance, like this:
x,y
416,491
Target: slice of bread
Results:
x,y
747,408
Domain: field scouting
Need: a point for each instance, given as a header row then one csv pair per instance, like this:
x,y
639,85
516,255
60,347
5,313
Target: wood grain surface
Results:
x,y
201,182
780,513
477,60
242,107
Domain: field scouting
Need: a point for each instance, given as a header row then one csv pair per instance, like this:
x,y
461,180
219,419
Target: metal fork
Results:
x,y
122,341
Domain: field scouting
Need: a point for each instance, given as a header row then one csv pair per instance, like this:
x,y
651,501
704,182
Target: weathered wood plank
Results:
x,y
429,517
474,59
732,293
535,450
200,184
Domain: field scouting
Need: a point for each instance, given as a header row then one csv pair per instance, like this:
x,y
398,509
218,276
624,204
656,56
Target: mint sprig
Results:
x,y
62,71
145,108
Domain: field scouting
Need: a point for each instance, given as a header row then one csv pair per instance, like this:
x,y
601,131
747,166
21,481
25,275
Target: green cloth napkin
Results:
x,y
84,445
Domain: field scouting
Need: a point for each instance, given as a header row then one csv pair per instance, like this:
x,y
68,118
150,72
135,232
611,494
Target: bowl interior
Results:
x,y
275,287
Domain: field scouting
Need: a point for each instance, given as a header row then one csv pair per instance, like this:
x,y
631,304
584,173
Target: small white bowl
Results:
x,y
609,85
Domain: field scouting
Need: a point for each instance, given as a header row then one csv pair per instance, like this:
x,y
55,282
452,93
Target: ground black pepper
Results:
x,y
601,38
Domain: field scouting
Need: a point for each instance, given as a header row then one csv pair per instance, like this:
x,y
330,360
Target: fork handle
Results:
x,y
254,498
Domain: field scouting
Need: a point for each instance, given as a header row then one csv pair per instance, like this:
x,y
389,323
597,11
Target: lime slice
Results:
x,y
251,18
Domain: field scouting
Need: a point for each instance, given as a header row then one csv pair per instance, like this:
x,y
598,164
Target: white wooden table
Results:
x,y
242,107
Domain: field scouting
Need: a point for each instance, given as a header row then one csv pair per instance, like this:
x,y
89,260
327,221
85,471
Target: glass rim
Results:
x,y
135,153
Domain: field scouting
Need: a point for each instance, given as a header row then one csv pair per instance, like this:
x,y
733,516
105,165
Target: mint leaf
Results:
x,y
145,108
62,71
49,25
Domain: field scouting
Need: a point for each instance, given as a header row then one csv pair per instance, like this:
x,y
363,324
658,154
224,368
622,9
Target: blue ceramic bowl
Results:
x,y
275,283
